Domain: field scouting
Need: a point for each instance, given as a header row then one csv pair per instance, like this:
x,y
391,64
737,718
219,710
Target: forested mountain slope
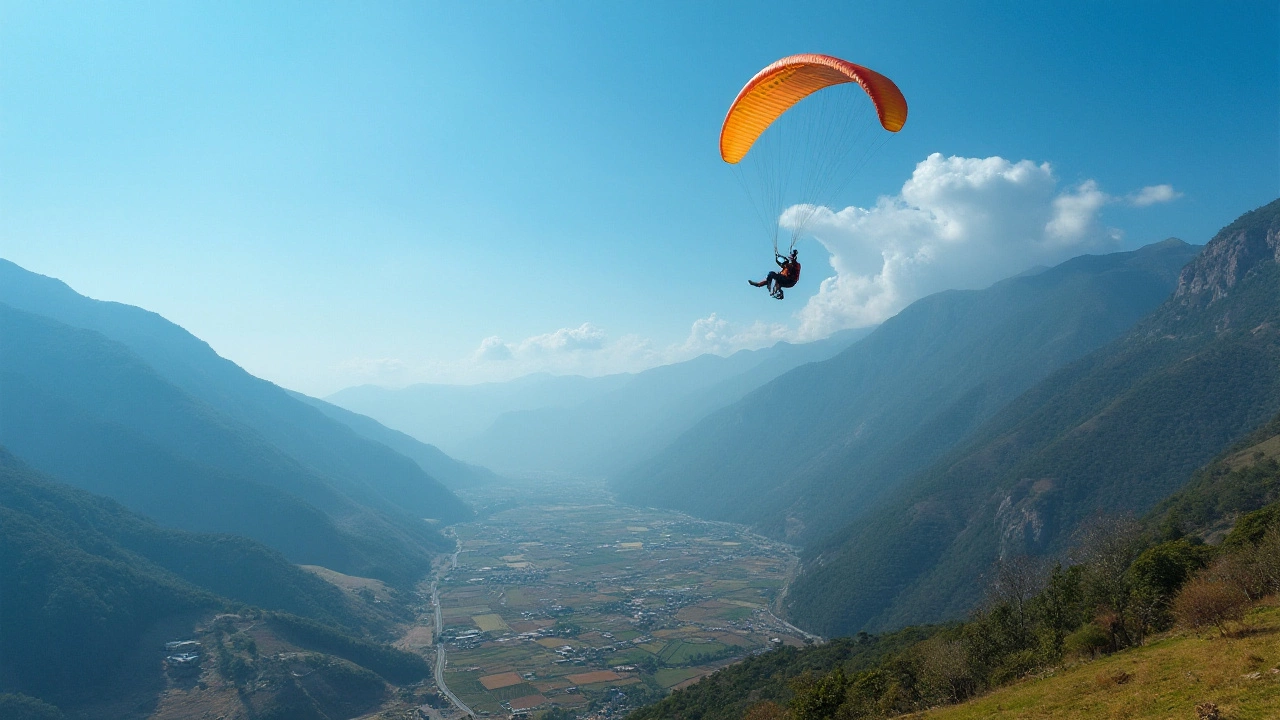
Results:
x,y
812,449
91,591
1117,430
363,469
91,412
1241,480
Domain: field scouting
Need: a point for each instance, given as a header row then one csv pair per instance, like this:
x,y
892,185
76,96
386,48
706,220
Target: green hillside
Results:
x,y
92,590
89,411
1167,679
1241,480
227,565
810,451
1117,430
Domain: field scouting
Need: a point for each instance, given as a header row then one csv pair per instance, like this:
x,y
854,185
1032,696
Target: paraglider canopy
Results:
x,y
788,81
806,152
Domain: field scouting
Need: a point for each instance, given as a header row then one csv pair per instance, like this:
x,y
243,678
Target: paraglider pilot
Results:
x,y
789,276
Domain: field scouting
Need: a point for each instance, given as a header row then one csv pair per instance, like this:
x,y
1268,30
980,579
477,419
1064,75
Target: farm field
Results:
x,y
561,597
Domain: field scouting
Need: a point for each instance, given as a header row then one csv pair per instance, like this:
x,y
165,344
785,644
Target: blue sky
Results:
x,y
338,193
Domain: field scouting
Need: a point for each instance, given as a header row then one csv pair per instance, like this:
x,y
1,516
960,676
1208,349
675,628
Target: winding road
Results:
x,y
441,662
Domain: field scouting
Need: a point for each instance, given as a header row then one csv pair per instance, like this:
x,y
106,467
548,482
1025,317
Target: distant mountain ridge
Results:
x,y
605,434
455,474
445,415
577,425
814,448
1117,430
124,403
88,411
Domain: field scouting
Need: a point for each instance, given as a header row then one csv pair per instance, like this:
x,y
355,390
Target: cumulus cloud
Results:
x,y
957,223
585,349
1075,214
1154,194
492,349
714,334
565,341
584,337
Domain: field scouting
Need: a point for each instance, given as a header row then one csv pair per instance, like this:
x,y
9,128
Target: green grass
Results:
x,y
680,652
670,677
1169,678
633,655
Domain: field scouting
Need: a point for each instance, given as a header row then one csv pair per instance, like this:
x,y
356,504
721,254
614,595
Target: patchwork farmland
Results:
x,y
573,601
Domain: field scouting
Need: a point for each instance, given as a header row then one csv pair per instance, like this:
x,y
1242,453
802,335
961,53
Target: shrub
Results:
x,y
1207,601
1088,640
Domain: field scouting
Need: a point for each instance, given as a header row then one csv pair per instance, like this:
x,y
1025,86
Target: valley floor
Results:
x,y
563,597
1167,678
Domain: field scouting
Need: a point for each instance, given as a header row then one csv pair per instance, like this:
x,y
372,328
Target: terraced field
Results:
x,y
562,597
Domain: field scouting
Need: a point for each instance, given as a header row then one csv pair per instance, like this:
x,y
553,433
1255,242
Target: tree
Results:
x,y
945,669
1058,609
1108,545
818,698
1156,576
1014,585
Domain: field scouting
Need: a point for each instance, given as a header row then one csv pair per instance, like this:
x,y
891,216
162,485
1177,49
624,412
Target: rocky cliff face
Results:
x,y
1238,249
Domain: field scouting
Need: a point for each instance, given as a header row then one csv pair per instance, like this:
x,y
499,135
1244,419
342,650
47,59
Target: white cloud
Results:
x,y
1154,194
1075,214
585,350
957,223
492,349
584,337
714,334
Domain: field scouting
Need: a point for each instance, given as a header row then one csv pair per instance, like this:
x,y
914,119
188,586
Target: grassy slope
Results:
x,y
1170,677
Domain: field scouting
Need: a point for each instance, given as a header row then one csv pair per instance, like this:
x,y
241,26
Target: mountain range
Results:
x,y
813,449
1117,430
122,402
577,425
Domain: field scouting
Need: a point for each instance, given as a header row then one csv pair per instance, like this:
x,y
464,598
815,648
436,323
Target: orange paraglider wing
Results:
x,y
788,81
